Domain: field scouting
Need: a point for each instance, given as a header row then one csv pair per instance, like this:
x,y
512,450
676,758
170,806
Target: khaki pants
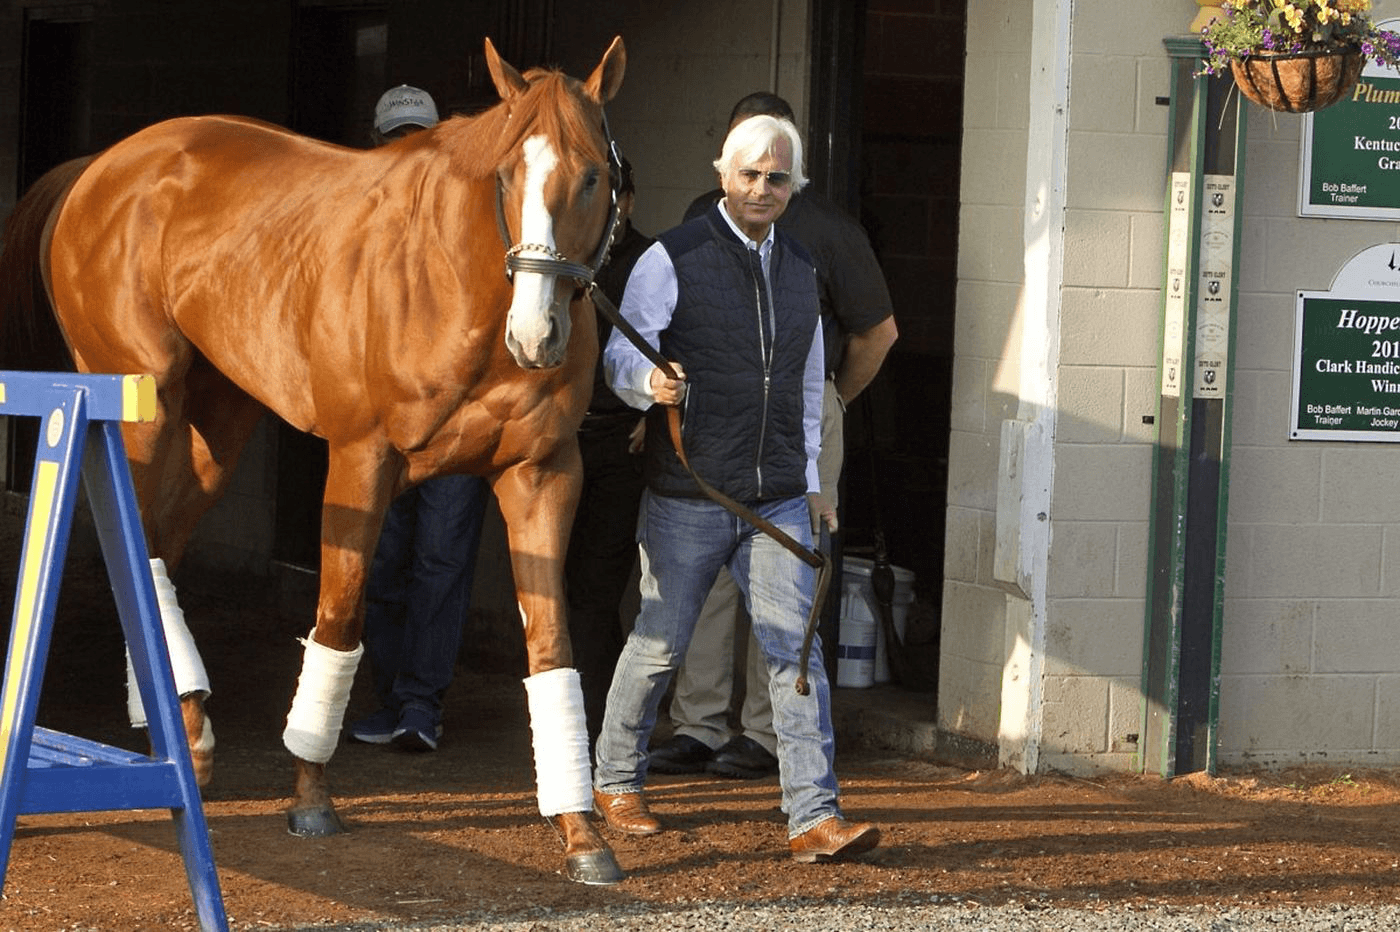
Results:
x,y
705,682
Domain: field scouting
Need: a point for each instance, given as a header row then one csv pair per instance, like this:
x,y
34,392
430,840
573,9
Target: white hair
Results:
x,y
757,136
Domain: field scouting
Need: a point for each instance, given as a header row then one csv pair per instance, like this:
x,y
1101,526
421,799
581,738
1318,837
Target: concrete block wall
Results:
x,y
1310,671
1107,386
1104,379
986,338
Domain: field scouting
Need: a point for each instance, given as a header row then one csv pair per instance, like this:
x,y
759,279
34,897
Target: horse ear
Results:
x,y
507,80
605,80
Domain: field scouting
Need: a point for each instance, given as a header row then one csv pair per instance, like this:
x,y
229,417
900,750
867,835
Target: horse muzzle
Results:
x,y
539,338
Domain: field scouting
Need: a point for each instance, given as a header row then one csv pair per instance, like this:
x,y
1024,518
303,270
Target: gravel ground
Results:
x,y
938,914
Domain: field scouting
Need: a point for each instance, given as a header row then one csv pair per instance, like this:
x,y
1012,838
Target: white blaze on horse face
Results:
x,y
531,324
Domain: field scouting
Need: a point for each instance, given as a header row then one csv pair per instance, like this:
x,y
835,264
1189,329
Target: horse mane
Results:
x,y
549,105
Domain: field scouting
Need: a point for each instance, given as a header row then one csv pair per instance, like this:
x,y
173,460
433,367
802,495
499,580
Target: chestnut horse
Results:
x,y
363,296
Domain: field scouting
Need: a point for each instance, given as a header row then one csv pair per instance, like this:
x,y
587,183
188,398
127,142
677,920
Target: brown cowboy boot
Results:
x,y
626,813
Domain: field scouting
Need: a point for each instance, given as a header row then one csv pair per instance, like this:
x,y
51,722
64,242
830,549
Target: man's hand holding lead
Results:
x,y
666,390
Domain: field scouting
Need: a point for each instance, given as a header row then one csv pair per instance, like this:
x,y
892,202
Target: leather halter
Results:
x,y
812,557
554,262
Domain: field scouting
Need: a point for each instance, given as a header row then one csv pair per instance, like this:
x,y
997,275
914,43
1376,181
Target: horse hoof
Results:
x,y
314,823
595,868
203,763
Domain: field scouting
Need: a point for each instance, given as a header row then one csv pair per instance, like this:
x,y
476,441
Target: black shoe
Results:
x,y
743,758
681,754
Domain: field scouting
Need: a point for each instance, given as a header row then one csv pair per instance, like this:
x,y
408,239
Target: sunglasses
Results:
x,y
775,179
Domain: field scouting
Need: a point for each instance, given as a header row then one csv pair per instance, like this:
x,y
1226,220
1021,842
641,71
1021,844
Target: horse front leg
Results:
x,y
538,506
358,485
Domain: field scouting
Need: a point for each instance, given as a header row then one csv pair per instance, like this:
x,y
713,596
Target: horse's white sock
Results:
x,y
318,708
185,661
562,775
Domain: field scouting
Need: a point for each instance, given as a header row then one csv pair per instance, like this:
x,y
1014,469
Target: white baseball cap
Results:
x,y
402,106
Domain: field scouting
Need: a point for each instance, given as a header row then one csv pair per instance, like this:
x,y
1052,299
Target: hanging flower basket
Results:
x,y
1298,82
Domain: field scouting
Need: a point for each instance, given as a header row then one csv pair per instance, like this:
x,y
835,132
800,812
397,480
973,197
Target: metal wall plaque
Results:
x,y
1346,371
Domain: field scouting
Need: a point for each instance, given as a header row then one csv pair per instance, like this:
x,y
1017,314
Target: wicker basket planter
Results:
x,y
1298,82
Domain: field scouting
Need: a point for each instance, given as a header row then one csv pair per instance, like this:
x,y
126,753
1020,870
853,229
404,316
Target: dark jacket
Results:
x,y
744,348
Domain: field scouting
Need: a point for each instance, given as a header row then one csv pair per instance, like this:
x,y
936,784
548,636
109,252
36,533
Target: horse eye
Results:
x,y
591,180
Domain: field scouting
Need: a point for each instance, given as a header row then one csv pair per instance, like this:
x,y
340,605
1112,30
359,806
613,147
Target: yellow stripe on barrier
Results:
x,y
2,393
41,506
138,398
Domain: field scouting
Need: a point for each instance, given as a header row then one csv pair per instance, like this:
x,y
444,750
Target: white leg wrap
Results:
x,y
185,661
318,708
562,776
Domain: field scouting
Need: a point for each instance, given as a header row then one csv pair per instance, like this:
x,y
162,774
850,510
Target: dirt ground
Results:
x,y
437,835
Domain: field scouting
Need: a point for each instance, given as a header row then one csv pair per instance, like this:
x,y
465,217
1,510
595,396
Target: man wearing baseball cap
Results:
x,y
403,108
420,580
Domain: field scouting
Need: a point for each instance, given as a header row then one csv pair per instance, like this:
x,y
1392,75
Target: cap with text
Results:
x,y
404,106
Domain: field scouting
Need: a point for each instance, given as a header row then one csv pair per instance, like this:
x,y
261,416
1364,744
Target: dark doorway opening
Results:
x,y
338,72
55,126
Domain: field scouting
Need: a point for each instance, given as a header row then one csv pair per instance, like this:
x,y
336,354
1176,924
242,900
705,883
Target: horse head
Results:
x,y
556,194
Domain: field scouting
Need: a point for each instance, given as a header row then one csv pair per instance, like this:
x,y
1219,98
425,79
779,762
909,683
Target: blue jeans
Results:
x,y
684,542
419,590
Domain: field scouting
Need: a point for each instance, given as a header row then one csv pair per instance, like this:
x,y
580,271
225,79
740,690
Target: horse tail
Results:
x,y
29,333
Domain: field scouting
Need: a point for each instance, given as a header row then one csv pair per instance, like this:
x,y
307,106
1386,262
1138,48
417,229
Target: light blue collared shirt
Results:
x,y
648,303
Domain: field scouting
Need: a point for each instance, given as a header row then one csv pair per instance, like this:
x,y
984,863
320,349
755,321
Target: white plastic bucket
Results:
x,y
855,648
860,616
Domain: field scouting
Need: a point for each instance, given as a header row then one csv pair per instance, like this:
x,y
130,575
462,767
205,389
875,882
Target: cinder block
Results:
x,y
1096,637
968,410
1258,419
1355,636
962,539
1131,341
1316,561
1090,405
973,624
989,244
1141,397
1131,570
1082,558
1272,636
1146,262
1387,736
972,470
1125,716
1272,713
1075,715
1275,485
969,697
1358,485
1096,247
1116,183
1103,107
987,178
1096,483
986,322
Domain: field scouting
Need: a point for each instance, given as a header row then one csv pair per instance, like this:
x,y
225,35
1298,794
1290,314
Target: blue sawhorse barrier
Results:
x,y
48,771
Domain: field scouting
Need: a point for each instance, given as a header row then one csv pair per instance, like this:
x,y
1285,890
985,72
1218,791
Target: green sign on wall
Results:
x,y
1346,382
1351,152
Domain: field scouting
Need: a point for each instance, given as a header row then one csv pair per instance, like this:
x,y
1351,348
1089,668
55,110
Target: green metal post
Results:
x,y
1185,585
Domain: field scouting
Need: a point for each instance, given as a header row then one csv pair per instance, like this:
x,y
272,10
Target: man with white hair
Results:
x,y
733,303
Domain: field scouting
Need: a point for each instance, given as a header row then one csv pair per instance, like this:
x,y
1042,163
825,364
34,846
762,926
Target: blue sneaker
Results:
x,y
377,728
418,730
